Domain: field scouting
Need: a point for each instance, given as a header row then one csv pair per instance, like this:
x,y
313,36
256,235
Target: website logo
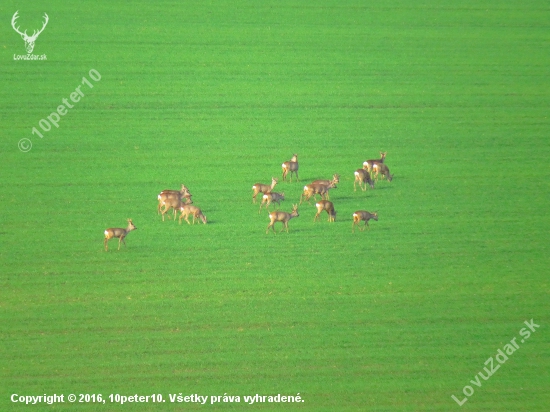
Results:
x,y
29,40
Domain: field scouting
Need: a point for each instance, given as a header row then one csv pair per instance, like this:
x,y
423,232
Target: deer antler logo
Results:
x,y
29,40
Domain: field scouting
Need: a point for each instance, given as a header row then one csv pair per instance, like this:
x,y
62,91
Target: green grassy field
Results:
x,y
216,95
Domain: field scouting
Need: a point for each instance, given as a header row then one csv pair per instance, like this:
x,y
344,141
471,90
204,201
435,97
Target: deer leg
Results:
x,y
105,241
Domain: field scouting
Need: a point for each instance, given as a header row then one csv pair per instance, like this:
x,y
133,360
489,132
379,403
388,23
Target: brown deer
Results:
x,y
171,203
174,194
261,188
292,167
118,232
384,170
187,210
269,198
335,180
325,205
368,164
283,217
362,176
360,215
315,189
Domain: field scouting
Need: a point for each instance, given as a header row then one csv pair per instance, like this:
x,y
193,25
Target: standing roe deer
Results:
x,y
283,217
368,164
291,166
174,194
187,210
362,176
315,189
261,188
384,170
171,203
335,180
360,215
118,232
268,198
325,205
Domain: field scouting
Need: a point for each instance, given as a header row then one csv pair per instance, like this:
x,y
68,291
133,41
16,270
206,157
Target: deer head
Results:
x,y
29,40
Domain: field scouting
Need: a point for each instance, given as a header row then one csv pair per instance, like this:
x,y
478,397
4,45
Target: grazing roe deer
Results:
x,y
360,215
384,170
291,166
335,180
283,217
261,188
119,233
368,164
315,189
268,198
187,210
174,194
362,176
325,205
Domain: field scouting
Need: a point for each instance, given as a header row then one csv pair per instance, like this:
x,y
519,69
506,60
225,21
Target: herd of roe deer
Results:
x,y
180,200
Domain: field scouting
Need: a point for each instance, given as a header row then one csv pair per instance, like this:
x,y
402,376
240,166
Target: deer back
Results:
x,y
117,232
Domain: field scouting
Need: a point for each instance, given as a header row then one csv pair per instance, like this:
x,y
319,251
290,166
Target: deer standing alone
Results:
x,y
368,164
384,170
362,176
268,198
328,206
291,166
117,232
283,217
261,188
360,215
187,210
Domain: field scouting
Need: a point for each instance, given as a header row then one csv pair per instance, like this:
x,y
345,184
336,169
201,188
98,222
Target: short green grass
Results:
x,y
217,95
